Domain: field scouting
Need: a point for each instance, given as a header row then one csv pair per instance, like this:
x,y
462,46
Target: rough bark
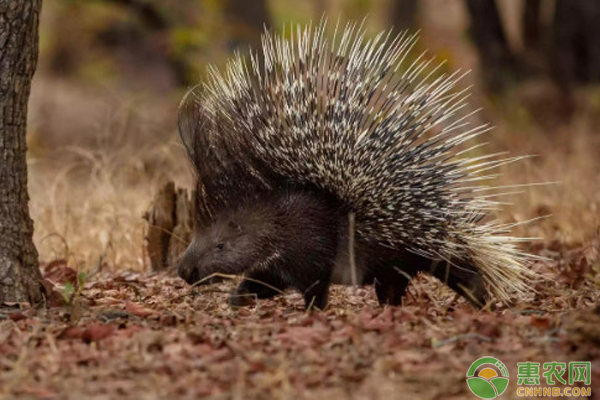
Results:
x,y
20,278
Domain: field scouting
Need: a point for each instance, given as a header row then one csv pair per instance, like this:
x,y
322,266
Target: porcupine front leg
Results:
x,y
261,283
308,268
316,293
267,283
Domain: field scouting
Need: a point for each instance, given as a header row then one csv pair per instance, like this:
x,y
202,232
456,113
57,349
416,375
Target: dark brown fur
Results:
x,y
294,240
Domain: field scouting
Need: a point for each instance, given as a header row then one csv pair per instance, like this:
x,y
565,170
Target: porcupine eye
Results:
x,y
220,246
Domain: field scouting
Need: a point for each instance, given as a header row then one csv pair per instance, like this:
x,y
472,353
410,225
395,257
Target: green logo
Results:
x,y
487,384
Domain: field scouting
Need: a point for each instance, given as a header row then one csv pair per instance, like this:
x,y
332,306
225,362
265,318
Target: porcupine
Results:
x,y
292,145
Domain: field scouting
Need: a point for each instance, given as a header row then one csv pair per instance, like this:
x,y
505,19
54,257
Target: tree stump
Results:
x,y
170,226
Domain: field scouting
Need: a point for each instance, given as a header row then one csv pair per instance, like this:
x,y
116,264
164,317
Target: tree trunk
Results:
x,y
497,61
246,20
404,15
576,50
532,24
20,278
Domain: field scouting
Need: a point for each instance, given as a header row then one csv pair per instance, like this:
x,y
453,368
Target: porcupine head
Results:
x,y
247,221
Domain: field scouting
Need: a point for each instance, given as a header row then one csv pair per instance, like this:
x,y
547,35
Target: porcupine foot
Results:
x,y
315,295
393,281
265,284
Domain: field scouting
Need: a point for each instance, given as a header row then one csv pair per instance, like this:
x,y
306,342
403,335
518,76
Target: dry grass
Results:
x,y
566,162
88,194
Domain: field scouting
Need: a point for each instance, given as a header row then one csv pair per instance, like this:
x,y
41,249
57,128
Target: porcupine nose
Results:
x,y
186,268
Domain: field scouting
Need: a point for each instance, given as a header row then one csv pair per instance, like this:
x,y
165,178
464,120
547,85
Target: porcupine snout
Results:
x,y
187,266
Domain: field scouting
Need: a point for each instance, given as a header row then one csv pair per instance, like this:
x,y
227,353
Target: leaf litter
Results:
x,y
134,335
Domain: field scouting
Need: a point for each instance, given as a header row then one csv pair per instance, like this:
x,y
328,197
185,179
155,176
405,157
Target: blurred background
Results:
x,y
102,129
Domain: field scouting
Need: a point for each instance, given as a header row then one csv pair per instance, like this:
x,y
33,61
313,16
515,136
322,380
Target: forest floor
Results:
x,y
142,336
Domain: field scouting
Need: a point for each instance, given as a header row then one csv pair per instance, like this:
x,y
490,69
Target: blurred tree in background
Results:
x,y
562,43
565,46
576,37
145,48
246,20
404,15
498,63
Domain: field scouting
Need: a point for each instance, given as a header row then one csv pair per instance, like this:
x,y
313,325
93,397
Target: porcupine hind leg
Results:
x,y
463,279
392,275
390,285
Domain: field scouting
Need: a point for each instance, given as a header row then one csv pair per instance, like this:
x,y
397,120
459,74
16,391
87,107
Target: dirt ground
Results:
x,y
142,336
